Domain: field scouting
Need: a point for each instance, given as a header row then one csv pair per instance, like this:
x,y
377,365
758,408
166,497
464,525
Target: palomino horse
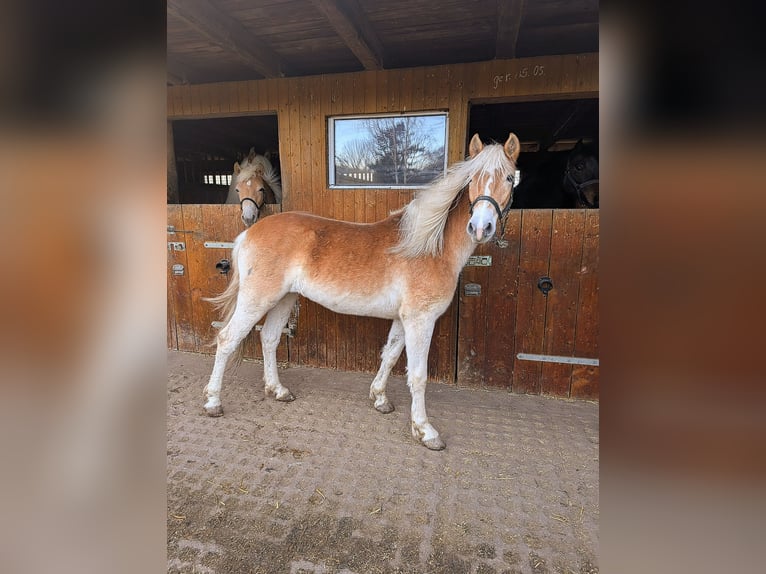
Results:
x,y
403,268
255,182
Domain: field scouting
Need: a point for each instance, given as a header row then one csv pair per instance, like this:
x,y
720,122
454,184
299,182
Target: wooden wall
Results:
x,y
302,105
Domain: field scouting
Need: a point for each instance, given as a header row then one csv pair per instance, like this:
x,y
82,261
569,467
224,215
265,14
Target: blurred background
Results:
x,y
82,307
82,286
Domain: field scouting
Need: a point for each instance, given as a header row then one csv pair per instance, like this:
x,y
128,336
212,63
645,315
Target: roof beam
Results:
x,y
227,33
508,24
354,29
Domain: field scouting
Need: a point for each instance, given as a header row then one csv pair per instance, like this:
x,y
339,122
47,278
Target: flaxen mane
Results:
x,y
421,230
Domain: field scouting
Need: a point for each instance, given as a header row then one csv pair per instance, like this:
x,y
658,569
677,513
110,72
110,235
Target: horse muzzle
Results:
x,y
481,227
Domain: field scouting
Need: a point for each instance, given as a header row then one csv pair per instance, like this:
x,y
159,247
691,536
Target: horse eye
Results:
x,y
579,167
509,179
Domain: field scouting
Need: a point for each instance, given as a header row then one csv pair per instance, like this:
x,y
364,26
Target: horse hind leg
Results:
x,y
228,339
388,357
270,337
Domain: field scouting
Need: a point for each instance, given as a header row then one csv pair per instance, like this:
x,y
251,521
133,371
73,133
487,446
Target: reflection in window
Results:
x,y
403,150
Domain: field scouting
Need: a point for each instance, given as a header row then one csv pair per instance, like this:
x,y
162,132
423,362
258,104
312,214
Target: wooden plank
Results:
x,y
196,104
585,380
178,103
180,285
177,285
192,221
502,296
472,325
565,262
254,90
243,100
186,98
536,227
205,96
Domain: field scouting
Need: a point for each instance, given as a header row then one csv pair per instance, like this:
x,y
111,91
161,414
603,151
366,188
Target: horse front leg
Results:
x,y
417,337
271,334
388,357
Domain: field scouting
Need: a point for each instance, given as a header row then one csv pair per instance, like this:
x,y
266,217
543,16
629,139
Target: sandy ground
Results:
x,y
326,484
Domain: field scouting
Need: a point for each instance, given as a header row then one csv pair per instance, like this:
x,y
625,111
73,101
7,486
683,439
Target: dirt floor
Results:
x,y
327,485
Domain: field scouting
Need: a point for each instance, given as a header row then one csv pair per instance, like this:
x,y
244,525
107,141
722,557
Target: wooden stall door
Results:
x,y
195,235
502,312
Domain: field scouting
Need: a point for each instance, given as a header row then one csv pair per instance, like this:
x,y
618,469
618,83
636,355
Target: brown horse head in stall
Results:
x,y
581,175
404,268
254,183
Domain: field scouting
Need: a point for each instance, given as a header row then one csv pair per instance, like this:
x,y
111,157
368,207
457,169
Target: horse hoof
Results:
x,y
435,443
288,398
215,411
385,408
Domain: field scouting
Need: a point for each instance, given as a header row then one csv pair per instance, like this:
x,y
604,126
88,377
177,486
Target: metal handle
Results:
x,y
545,284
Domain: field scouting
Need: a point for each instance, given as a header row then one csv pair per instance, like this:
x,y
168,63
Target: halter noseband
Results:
x,y
578,187
255,203
501,213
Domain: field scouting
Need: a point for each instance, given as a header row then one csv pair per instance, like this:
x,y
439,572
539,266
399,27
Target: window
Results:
x,y
390,151
217,179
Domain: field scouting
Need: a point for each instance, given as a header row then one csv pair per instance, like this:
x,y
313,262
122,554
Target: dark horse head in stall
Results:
x,y
567,179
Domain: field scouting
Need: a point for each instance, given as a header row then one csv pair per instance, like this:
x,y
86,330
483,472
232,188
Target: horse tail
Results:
x,y
226,302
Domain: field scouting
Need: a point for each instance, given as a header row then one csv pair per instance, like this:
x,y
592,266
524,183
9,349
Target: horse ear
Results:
x,y
475,146
512,147
251,155
237,169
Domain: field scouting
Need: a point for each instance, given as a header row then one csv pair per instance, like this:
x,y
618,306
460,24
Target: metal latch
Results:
x,y
176,246
178,269
472,289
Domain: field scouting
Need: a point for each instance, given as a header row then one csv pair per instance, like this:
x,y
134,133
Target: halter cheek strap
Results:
x,y
578,187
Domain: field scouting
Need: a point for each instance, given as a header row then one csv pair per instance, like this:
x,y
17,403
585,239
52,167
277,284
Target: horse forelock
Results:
x,y
421,229
261,167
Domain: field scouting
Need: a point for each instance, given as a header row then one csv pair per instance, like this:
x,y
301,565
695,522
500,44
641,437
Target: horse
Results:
x,y
254,183
559,179
404,268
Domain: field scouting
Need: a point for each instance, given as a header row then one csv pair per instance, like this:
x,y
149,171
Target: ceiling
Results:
x,y
231,40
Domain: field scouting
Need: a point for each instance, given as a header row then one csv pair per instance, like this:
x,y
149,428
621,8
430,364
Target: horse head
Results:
x,y
490,190
581,175
251,191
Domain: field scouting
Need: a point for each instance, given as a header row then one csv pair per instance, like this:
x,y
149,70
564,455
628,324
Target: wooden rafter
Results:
x,y
347,20
509,14
228,34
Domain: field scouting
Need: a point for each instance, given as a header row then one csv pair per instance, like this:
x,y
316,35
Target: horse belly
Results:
x,y
383,304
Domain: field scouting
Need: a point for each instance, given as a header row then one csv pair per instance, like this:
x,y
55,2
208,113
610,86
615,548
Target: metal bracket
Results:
x,y
557,359
479,261
172,229
219,244
176,246
472,290
178,269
